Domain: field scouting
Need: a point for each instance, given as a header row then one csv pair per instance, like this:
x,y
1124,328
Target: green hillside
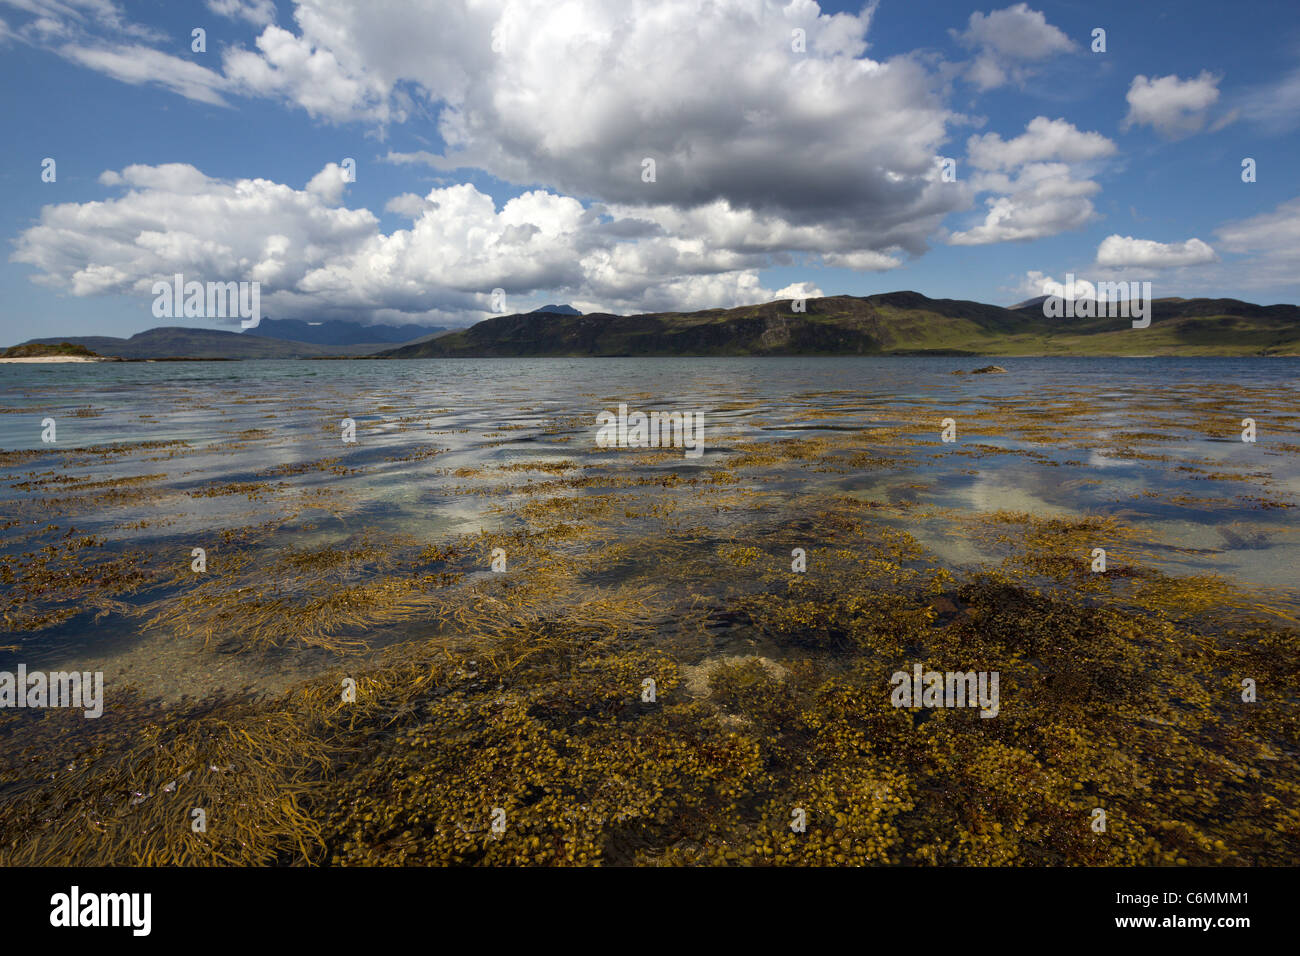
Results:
x,y
47,349
896,323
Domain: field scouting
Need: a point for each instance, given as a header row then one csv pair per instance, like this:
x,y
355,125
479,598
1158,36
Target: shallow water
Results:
x,y
1155,443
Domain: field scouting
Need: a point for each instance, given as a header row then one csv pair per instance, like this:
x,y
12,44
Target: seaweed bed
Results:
x,y
520,697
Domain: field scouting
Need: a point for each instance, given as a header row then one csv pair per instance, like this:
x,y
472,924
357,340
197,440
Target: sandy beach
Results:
x,y
40,359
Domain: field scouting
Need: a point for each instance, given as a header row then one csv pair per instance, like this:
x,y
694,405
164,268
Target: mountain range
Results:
x,y
269,339
339,332
894,323
180,342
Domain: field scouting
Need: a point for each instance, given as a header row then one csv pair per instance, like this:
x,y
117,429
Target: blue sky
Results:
x,y
501,145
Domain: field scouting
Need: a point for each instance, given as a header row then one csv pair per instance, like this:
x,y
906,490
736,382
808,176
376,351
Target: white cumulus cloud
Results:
x,y
1008,43
316,258
1037,183
1172,106
1120,251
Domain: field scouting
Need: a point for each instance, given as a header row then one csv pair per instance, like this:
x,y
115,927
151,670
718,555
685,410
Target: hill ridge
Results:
x,y
903,322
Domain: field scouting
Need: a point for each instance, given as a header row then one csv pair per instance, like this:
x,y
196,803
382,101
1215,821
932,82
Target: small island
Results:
x,y
46,352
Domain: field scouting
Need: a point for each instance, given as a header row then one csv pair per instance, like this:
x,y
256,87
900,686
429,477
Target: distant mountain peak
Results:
x,y
1033,303
339,332
558,309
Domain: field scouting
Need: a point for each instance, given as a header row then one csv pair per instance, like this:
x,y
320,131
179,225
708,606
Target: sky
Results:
x,y
397,160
